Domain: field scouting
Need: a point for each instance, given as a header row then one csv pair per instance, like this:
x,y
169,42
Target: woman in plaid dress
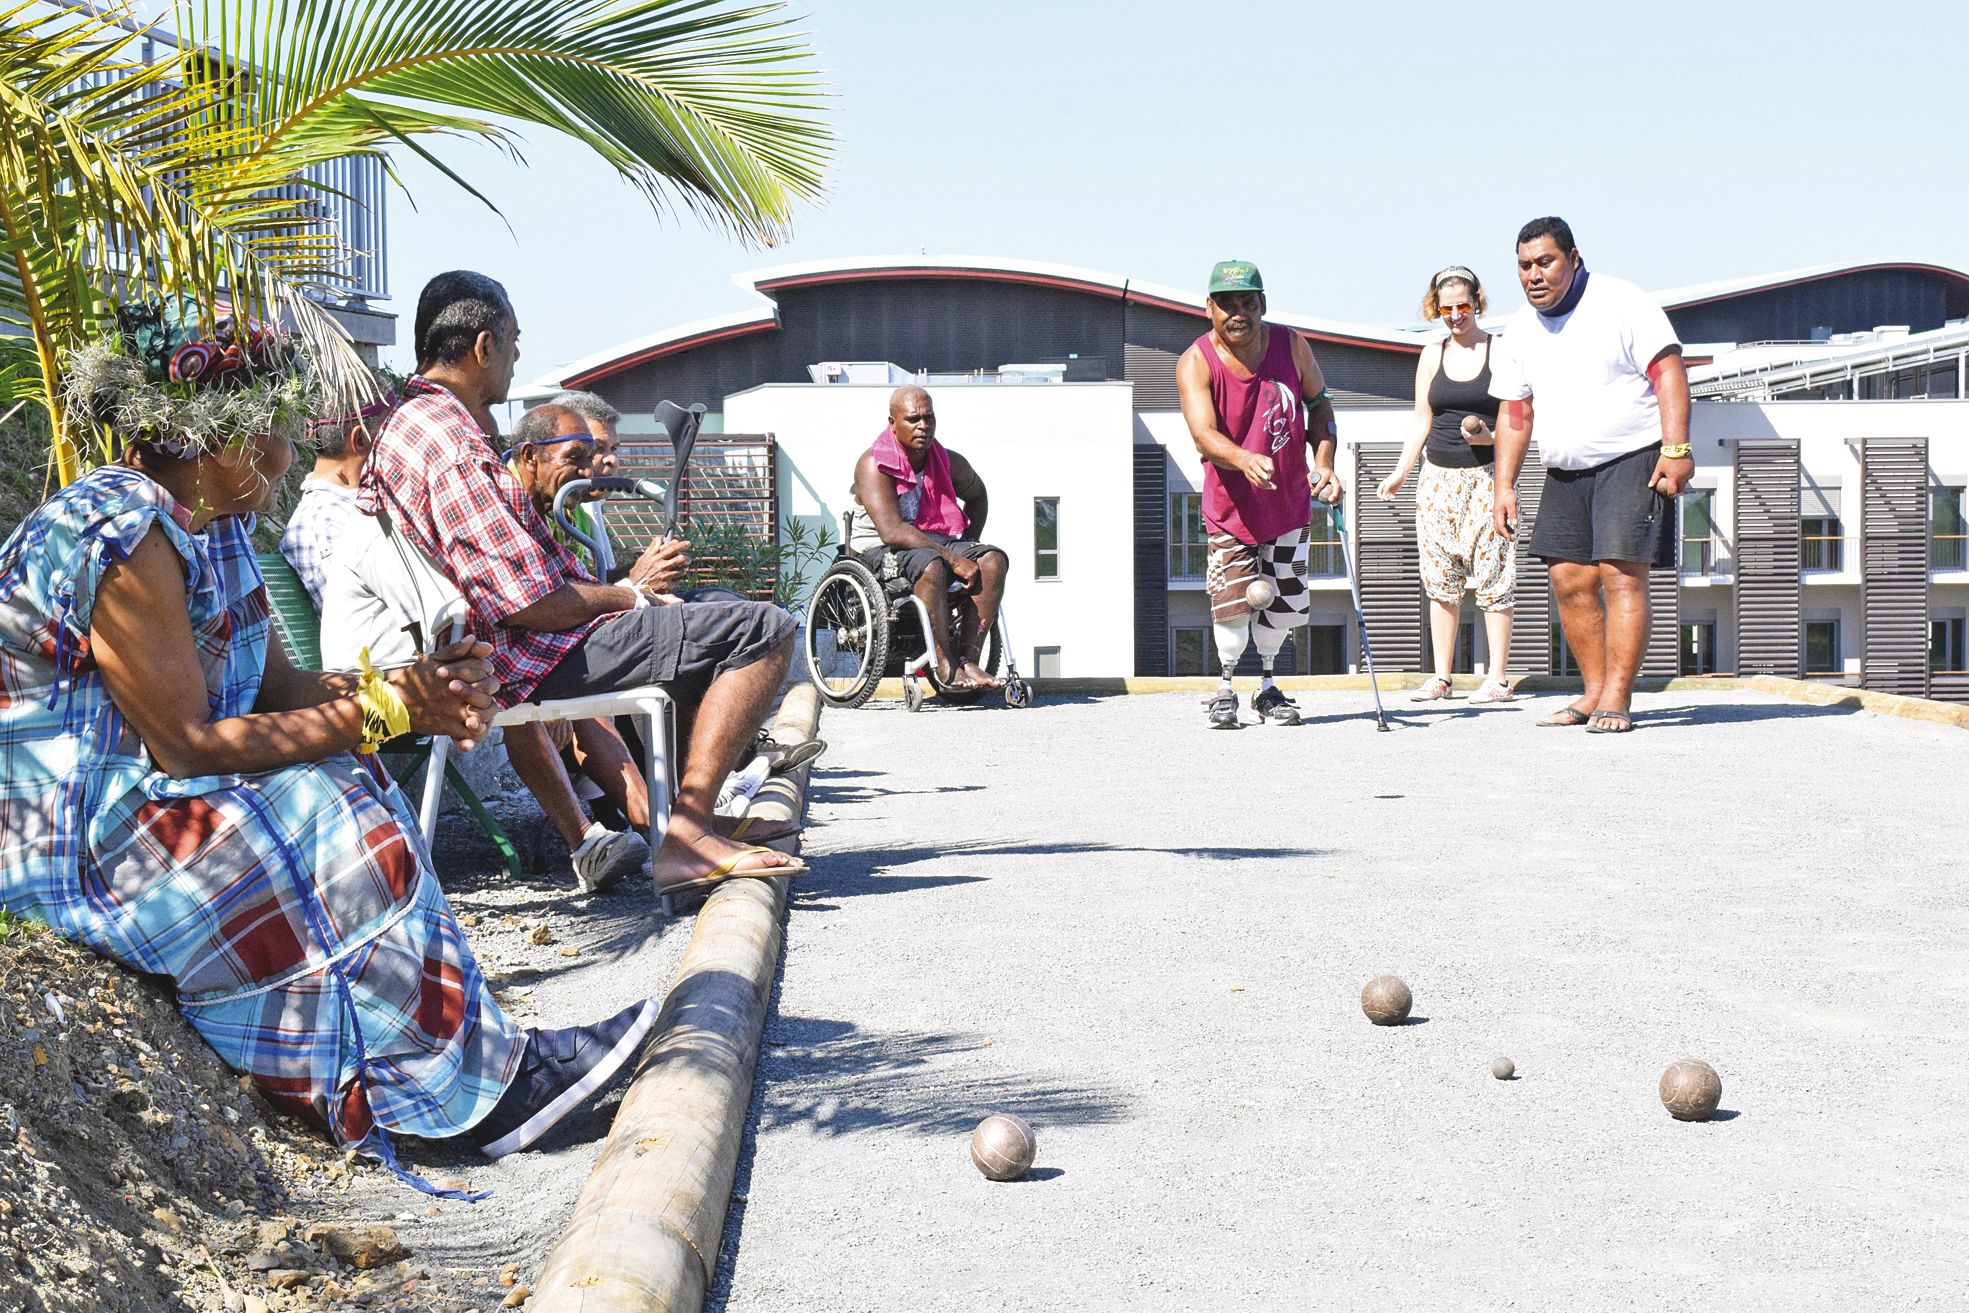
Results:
x,y
178,797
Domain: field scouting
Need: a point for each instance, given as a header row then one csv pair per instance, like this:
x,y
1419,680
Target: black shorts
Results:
x,y
910,562
1607,513
682,647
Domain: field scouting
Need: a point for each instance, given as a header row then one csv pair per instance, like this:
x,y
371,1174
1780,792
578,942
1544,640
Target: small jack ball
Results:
x,y
1003,1147
1259,594
1503,1068
1690,1090
1386,1001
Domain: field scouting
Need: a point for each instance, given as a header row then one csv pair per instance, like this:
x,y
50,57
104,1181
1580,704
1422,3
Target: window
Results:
x,y
1821,545
1188,544
1946,654
1046,662
1699,531
1950,550
1326,649
1323,560
1046,537
1190,652
1699,648
1822,648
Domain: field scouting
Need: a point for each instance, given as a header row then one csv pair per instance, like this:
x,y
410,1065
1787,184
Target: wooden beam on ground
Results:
x,y
646,1231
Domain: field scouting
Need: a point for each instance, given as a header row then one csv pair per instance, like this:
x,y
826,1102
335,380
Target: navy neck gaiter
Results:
x,y
1571,298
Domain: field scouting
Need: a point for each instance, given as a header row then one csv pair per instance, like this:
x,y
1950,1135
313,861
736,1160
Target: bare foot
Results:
x,y
690,853
977,676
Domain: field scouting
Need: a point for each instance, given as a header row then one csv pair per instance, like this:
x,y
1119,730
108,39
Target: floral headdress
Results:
x,y
154,382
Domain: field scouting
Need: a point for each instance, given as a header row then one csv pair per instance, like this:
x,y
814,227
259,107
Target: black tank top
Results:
x,y
1452,399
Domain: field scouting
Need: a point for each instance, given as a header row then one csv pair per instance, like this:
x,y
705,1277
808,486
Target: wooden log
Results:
x,y
646,1231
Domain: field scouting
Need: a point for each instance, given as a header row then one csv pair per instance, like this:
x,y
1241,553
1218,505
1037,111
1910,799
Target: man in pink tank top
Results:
x,y
1258,410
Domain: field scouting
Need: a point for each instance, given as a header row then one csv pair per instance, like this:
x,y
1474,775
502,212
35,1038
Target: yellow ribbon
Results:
x,y
383,714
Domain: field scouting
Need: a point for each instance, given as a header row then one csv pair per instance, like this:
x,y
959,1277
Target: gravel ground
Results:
x,y
1150,939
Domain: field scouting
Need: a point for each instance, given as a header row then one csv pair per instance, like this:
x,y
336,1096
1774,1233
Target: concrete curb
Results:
x,y
1801,690
646,1230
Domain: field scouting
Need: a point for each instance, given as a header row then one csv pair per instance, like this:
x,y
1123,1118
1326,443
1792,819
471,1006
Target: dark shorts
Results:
x,y
1607,513
681,647
910,562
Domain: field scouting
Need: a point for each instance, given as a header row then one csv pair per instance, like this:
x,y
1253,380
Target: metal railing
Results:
x,y
1699,554
1949,551
1825,552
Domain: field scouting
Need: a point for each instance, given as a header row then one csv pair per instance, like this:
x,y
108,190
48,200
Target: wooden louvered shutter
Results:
x,y
1767,559
1387,560
1151,559
1895,546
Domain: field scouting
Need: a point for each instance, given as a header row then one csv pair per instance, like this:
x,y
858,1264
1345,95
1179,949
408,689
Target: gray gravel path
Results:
x,y
1150,939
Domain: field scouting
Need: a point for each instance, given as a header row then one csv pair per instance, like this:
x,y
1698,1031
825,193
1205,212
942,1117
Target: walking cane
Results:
x,y
1360,617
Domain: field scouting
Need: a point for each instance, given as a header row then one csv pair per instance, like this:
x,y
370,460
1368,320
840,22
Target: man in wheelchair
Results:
x,y
919,511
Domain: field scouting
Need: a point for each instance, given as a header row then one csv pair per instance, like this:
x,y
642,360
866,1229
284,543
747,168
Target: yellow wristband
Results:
x,y
1676,452
383,714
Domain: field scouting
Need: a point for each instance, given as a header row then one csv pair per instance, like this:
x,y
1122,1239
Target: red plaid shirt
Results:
x,y
443,483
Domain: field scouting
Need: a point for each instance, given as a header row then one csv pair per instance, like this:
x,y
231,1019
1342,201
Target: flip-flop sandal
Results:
x,y
728,870
1626,723
756,828
798,755
1564,718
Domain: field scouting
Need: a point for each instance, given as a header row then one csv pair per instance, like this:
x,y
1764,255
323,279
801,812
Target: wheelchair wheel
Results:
x,y
1018,694
847,634
912,693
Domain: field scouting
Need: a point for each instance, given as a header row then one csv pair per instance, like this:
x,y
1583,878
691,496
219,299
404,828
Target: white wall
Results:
x,y
1073,441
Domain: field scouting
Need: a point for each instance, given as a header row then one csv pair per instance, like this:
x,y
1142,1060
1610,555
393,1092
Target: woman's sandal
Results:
x,y
1564,718
1437,689
1626,725
728,870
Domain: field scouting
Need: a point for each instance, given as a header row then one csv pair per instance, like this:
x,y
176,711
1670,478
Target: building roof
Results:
x,y
760,285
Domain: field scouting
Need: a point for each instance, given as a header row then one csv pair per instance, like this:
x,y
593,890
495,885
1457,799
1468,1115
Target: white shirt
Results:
x,y
1586,373
371,591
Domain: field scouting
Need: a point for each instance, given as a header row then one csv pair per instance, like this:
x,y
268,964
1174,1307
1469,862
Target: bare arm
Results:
x,y
1513,441
1670,375
141,638
970,491
574,604
1425,373
878,497
1322,430
1200,413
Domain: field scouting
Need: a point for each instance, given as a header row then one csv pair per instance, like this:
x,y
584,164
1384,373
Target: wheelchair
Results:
x,y
860,629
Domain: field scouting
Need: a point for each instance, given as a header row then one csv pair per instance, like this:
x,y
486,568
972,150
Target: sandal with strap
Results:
x,y
1436,690
1564,718
1624,723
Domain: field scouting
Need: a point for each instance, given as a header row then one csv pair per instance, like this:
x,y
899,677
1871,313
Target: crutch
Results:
x,y
1360,616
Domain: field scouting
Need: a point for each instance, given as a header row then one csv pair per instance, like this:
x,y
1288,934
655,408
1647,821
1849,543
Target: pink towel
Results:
x,y
938,510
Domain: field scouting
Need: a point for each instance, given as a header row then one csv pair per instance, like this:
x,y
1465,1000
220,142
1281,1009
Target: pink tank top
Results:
x,y
1264,414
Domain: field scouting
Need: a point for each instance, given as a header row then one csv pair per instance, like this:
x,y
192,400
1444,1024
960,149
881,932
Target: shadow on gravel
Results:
x,y
823,791
1736,713
834,1078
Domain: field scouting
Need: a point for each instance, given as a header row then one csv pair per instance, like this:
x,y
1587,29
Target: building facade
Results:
x,y
1823,535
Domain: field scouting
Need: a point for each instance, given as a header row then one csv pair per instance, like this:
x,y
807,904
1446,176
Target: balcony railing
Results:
x,y
1699,555
1822,552
1949,551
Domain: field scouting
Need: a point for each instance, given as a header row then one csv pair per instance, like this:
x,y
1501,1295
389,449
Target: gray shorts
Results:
x,y
681,647
1607,513
910,562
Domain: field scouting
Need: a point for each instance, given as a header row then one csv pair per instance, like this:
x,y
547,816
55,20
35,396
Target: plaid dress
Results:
x,y
308,938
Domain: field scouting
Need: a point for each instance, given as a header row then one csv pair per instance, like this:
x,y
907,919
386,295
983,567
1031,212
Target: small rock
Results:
x,y
254,1304
235,1302
286,1278
540,934
167,1219
433,1211
358,1246
570,951
469,920
509,1274
515,1297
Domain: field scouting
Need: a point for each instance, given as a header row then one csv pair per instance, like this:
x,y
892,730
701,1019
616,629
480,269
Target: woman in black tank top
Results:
x,y
1455,416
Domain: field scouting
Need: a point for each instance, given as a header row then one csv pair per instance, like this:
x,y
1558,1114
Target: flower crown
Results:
x,y
153,382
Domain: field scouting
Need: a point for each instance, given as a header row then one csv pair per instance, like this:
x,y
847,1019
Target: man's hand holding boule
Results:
x,y
1672,475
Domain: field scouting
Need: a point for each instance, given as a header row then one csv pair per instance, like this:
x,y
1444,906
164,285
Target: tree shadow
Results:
x,y
833,1078
821,792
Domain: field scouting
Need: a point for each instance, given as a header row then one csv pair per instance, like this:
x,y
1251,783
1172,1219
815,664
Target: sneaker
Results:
x,y
1223,711
559,1069
1272,704
1494,690
1436,690
605,856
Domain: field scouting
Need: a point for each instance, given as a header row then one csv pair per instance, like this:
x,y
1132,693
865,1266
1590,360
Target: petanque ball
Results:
x,y
1690,1090
1386,1001
1472,426
1003,1146
1503,1068
1260,593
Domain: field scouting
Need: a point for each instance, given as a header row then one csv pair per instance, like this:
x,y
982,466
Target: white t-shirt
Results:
x,y
1586,373
370,592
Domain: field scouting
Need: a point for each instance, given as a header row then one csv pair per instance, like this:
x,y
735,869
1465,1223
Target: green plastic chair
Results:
x,y
300,636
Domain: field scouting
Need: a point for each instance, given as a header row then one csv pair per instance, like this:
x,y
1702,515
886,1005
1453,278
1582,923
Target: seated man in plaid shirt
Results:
x,y
555,631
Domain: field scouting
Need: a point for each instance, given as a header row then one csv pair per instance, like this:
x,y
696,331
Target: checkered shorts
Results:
x,y
1234,564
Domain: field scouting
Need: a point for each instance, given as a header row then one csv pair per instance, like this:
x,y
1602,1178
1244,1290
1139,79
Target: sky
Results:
x,y
1351,151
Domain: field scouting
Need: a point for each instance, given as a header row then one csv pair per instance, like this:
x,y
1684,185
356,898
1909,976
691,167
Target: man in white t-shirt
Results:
x,y
1599,361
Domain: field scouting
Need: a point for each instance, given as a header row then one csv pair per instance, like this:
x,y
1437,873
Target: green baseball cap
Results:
x,y
1235,276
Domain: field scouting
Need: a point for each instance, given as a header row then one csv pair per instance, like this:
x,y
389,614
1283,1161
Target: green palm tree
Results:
x,y
178,177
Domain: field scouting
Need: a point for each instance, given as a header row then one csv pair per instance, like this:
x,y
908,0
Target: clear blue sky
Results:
x,y
1349,150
